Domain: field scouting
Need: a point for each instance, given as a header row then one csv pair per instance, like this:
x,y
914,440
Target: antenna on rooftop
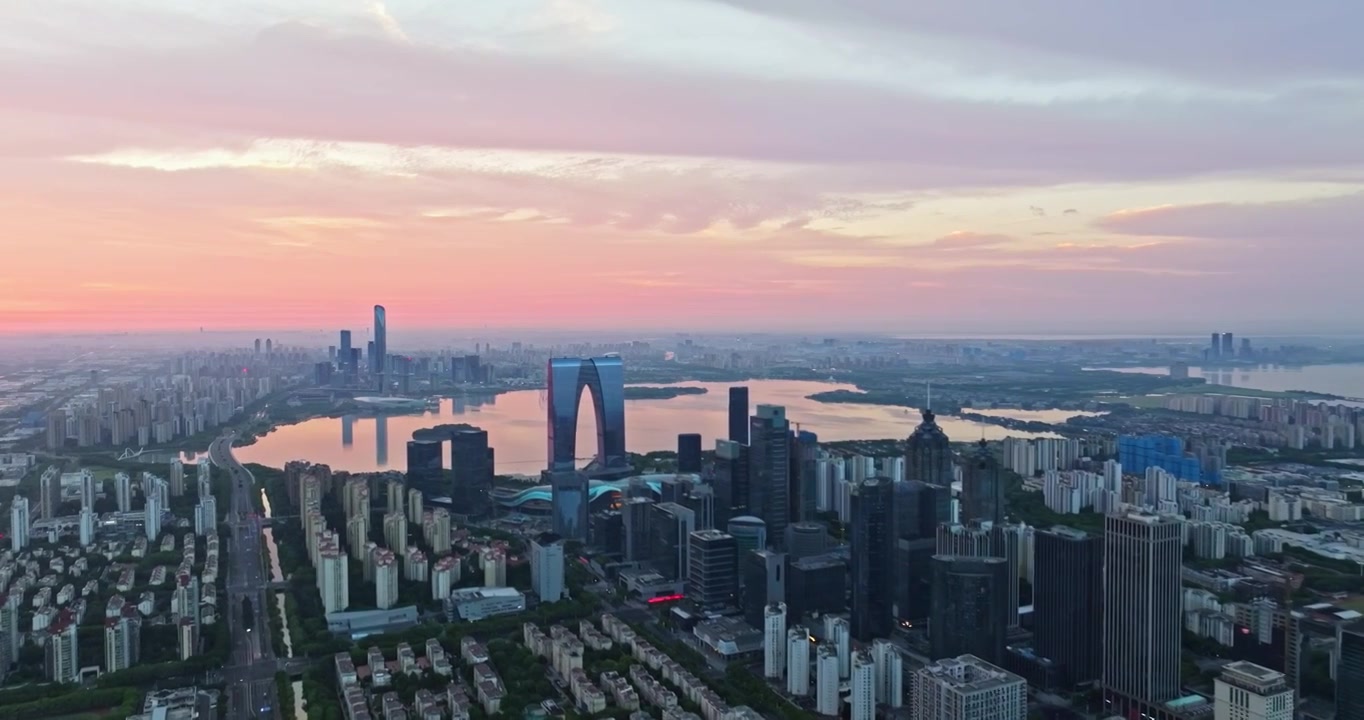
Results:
x,y
928,404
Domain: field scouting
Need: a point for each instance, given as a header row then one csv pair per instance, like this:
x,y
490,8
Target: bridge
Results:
x,y
129,453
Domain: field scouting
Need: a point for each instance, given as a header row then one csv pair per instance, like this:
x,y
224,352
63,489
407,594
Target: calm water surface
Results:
x,y
1345,379
515,423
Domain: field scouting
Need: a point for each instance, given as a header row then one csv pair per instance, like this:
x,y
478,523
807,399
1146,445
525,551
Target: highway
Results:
x,y
250,677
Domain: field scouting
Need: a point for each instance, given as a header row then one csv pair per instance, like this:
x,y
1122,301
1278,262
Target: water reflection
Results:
x,y
516,426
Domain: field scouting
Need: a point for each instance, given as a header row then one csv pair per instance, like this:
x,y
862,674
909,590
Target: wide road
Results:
x,y
250,677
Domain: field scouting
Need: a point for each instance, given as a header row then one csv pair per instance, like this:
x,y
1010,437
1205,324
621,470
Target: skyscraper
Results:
x,y
763,579
1068,602
770,470
689,453
982,486
804,468
1350,672
871,562
378,361
928,453
50,493
20,524
920,508
1142,611
731,481
712,574
604,380
471,464
1228,345
344,354
970,608
1215,349
425,466
61,651
738,415
547,567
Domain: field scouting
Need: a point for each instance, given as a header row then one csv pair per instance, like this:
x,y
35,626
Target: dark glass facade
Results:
x,y
689,453
424,467
970,608
769,483
804,467
871,561
763,574
919,509
569,500
378,362
982,486
816,585
471,463
1350,672
731,481
738,415
1068,603
604,380
344,355
928,453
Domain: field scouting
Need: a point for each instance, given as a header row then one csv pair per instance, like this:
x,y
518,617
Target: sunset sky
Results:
x,y
889,165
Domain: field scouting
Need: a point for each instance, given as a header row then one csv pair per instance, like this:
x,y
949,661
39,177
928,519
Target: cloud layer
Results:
x,y
1077,166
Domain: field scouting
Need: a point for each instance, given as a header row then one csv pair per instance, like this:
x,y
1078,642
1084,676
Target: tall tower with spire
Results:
x,y
928,453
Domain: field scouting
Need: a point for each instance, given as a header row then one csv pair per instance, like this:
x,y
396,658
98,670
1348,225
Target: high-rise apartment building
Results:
x,y
862,687
968,688
770,474
50,493
1068,602
1142,613
871,562
827,698
333,579
123,490
738,415
385,578
547,568
890,673
20,524
61,649
774,640
415,505
122,639
395,532
1246,691
798,661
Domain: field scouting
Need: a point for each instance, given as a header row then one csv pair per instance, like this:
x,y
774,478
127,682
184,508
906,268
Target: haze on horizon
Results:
x,y
888,166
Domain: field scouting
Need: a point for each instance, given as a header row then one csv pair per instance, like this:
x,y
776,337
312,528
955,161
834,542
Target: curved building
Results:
x,y
604,380
928,453
750,533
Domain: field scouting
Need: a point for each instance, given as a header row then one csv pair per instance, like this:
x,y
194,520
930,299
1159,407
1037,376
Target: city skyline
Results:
x,y
886,167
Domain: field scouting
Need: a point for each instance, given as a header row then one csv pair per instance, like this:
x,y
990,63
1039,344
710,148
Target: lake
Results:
x,y
515,422
1346,379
